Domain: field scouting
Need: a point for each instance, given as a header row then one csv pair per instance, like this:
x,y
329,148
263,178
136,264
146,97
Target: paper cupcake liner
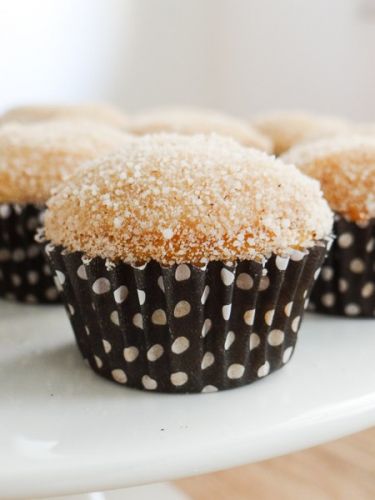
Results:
x,y
183,328
346,285
25,275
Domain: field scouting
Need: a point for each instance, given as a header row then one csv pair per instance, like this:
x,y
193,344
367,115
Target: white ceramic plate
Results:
x,y
65,430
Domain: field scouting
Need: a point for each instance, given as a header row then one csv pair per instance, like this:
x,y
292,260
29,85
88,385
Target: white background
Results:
x,y
239,55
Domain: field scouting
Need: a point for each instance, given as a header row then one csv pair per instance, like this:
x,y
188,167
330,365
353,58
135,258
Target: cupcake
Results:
x,y
288,128
185,262
190,121
96,112
33,159
345,168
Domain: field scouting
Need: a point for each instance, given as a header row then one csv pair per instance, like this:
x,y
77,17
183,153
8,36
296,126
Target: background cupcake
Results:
x,y
33,159
96,112
287,128
189,121
186,262
345,168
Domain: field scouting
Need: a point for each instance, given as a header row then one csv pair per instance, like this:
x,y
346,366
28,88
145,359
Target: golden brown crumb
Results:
x,y
187,199
287,128
97,112
190,121
345,167
35,157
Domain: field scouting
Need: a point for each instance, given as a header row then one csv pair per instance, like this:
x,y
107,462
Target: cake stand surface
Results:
x,y
65,430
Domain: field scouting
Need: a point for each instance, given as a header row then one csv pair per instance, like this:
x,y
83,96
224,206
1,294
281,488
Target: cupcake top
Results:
x,y
179,199
35,157
97,112
189,121
287,128
345,167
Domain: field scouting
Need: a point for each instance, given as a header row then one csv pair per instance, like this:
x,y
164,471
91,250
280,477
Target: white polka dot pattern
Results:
x,y
244,281
345,240
22,263
115,318
206,327
155,352
264,283
268,317
141,297
208,360
81,272
119,376
205,293
149,383
138,320
263,370
254,341
101,285
180,345
235,371
161,283
106,346
159,317
275,338
237,325
230,338
181,309
227,277
209,388
249,317
179,378
288,309
131,353
347,281
98,361
226,310
120,294
182,272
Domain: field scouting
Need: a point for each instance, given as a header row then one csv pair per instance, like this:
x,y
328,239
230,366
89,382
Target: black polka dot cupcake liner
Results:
x,y
346,285
25,275
182,328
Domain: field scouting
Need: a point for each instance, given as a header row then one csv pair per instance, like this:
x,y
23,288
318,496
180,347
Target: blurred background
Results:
x,y
242,56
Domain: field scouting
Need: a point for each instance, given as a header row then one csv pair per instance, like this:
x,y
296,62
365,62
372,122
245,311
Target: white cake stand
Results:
x,y
65,430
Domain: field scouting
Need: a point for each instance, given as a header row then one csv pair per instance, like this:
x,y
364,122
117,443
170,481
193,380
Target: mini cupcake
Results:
x,y
190,121
345,168
33,159
288,128
186,262
96,112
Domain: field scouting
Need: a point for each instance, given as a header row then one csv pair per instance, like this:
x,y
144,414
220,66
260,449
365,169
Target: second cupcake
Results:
x,y
33,159
186,262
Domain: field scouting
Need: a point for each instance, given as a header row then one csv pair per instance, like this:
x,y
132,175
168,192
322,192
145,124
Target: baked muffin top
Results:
x,y
345,167
287,128
35,157
188,199
190,121
97,112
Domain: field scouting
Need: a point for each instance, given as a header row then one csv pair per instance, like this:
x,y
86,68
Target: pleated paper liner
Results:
x,y
346,285
183,328
25,275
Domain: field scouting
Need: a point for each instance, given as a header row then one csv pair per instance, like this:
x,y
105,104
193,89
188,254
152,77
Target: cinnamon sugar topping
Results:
x,y
345,167
191,199
35,157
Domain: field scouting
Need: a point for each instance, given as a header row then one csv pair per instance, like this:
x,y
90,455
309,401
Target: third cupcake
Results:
x,y
346,169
